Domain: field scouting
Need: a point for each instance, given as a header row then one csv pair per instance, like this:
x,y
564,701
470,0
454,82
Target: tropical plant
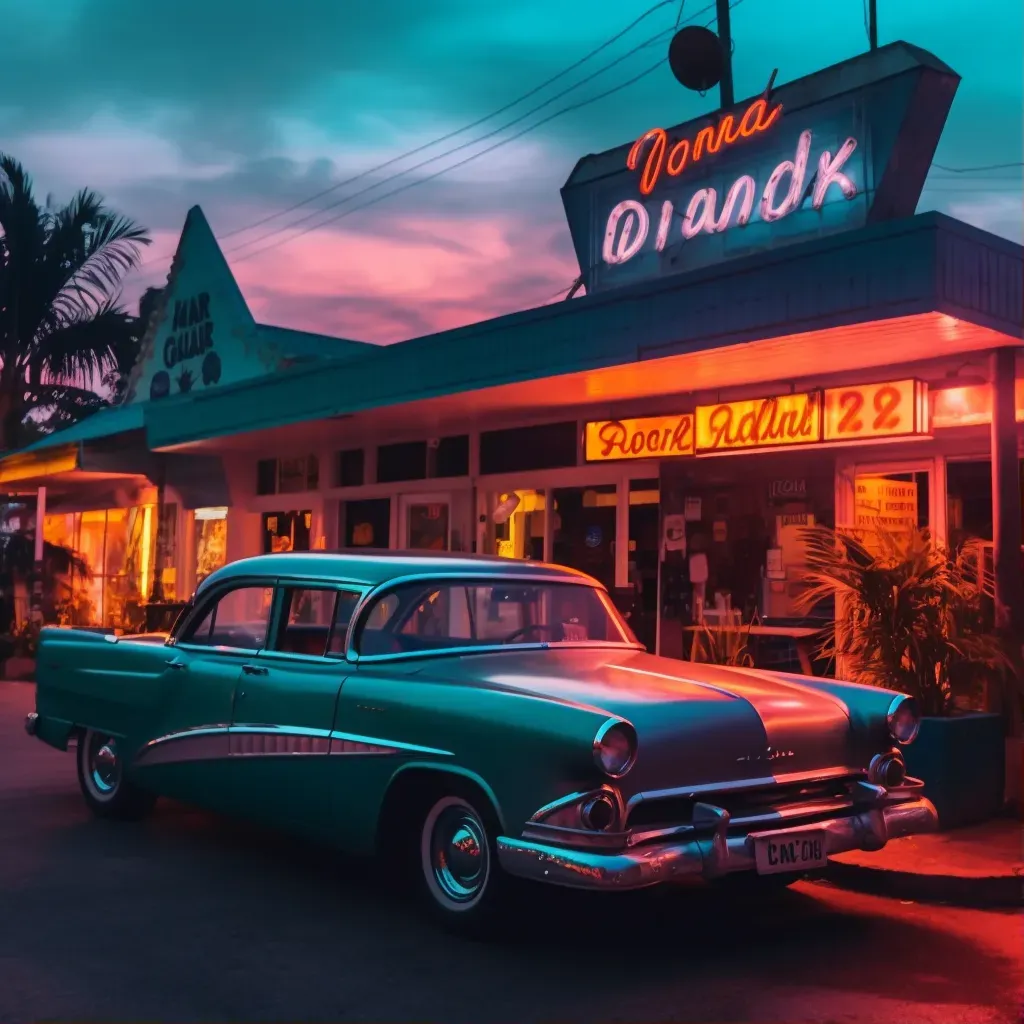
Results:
x,y
17,564
909,613
61,326
724,645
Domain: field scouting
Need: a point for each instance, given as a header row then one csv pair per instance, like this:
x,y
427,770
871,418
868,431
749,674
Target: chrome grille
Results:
x,y
670,811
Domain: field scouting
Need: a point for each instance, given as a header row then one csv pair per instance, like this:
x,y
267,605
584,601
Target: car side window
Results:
x,y
313,620
237,618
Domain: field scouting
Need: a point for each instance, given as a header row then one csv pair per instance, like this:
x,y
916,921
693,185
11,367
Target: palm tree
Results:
x,y
61,326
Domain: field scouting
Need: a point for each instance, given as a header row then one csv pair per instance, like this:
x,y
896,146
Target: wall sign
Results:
x,y
759,423
648,438
788,490
847,146
894,409
860,414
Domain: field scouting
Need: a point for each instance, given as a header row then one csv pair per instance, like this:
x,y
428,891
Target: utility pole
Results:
x,y
873,24
725,37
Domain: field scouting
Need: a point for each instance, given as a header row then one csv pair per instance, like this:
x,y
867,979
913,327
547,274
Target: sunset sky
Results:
x,y
249,108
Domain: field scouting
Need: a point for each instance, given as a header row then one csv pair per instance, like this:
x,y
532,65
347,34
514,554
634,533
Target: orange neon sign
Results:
x,y
891,409
756,118
759,423
648,438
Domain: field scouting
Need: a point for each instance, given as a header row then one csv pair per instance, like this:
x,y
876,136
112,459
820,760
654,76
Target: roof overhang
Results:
x,y
886,294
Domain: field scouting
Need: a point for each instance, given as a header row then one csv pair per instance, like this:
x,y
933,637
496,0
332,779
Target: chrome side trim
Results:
x,y
250,742
341,742
212,742
203,743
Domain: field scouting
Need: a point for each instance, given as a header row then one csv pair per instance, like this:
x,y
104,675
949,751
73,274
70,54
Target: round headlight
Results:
x,y
904,719
615,748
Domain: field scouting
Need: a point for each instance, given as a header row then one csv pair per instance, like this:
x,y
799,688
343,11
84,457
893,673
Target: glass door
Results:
x,y
426,522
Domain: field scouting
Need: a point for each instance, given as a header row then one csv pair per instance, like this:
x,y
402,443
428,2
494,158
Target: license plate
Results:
x,y
797,851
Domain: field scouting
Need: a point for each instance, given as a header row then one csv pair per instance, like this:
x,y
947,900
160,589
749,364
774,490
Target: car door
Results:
x,y
186,755
284,709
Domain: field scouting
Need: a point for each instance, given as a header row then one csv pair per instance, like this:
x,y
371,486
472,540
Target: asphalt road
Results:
x,y
186,917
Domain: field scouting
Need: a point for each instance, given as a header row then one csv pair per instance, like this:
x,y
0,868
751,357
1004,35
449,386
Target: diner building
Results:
x,y
770,338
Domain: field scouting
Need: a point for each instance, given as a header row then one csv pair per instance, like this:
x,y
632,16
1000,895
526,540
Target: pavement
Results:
x,y
188,917
977,866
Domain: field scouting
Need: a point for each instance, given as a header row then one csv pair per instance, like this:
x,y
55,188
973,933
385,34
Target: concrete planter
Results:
x,y
962,760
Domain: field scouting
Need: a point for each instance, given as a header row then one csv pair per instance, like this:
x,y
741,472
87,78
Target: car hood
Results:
x,y
697,724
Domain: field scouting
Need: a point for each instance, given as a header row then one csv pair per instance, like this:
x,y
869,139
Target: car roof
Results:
x,y
370,567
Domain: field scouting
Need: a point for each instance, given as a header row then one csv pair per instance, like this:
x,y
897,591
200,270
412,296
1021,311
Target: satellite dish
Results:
x,y
696,58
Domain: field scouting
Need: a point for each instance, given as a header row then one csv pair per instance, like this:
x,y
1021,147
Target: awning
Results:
x,y
25,466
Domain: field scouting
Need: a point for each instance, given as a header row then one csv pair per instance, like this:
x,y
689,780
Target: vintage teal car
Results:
x,y
481,720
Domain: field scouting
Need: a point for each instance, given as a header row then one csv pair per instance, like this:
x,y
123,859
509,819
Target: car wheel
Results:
x,y
460,881
102,779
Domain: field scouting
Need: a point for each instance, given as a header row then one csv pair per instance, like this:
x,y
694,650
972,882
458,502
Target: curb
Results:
x,y
983,893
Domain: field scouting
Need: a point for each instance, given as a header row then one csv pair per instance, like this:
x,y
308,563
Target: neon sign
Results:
x,y
628,225
756,118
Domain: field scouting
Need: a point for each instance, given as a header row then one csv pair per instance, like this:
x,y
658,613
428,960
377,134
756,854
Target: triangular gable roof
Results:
x,y
202,335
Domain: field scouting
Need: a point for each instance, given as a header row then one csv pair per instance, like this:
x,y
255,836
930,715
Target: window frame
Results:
x,y
202,606
381,591
279,584
278,612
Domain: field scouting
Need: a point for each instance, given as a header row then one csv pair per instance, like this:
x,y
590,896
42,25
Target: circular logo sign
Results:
x,y
594,537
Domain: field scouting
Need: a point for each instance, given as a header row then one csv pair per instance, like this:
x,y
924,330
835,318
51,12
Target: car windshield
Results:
x,y
439,615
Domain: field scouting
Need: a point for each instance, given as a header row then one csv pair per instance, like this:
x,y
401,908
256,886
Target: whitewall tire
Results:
x,y
101,776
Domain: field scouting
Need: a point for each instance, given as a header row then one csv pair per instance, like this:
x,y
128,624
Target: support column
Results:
x,y
36,598
1006,505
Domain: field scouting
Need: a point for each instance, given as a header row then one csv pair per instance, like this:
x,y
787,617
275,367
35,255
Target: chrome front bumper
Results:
x,y
711,854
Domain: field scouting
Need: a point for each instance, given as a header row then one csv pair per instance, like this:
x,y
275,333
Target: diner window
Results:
x,y
237,619
287,476
365,523
351,467
210,532
451,457
548,446
266,476
286,531
404,461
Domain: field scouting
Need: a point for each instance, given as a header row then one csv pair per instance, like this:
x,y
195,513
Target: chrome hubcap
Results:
x,y
459,854
104,765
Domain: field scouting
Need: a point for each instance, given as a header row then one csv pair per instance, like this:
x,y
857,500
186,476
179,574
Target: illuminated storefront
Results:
x,y
770,339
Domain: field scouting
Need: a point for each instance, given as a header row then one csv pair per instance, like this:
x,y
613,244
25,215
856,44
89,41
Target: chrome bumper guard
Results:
x,y
705,853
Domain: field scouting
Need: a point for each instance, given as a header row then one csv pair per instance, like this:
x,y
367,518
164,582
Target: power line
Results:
x,y
450,135
976,170
460,163
455,166
446,153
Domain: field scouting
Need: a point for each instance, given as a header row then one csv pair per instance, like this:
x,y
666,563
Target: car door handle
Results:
x,y
177,663
255,670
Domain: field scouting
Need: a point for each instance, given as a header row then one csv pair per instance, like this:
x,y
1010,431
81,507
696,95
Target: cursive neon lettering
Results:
x,y
797,171
664,225
700,214
632,236
831,171
747,186
627,227
766,422
756,118
652,168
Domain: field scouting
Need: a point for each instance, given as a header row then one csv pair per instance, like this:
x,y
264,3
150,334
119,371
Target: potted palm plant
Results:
x,y
910,616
